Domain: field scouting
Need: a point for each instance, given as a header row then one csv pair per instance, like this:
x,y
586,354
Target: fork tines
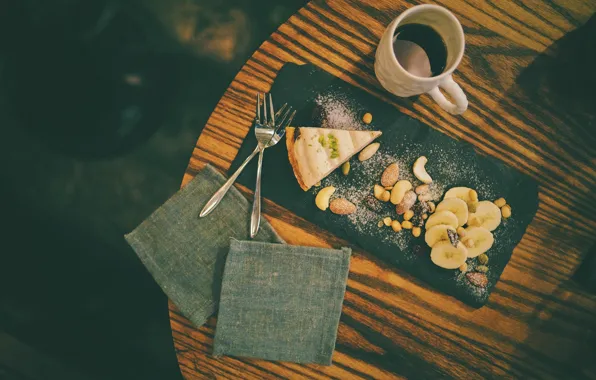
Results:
x,y
284,114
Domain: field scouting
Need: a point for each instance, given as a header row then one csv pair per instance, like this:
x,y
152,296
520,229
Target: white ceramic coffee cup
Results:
x,y
398,81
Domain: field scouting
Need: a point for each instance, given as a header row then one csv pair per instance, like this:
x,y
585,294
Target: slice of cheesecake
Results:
x,y
316,152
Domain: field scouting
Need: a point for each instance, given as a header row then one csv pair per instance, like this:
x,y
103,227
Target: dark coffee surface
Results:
x,y
417,45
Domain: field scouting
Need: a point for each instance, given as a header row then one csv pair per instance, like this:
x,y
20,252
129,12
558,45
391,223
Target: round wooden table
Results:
x,y
516,72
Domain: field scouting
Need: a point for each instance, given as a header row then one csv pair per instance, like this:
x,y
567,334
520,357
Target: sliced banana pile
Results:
x,y
461,228
457,229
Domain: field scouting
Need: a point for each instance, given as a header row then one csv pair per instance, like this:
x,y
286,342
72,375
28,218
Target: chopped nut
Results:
x,y
463,267
380,224
461,232
387,221
390,175
417,221
407,224
388,187
477,279
482,258
473,195
406,203
367,118
422,189
500,202
506,211
373,204
408,215
431,207
369,151
386,196
424,216
318,184
345,168
396,226
425,197
341,206
378,191
453,238
416,231
420,208
469,243
482,268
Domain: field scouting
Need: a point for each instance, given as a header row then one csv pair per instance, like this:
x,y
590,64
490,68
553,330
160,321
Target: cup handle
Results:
x,y
456,93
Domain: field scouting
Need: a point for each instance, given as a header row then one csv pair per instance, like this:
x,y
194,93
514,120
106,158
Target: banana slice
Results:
x,y
437,234
456,206
483,240
447,256
442,217
487,215
462,193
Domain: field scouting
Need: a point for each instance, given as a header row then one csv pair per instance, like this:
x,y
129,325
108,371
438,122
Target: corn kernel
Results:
x,y
367,118
500,202
408,215
416,231
506,211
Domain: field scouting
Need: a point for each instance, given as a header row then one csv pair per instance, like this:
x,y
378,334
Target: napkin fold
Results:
x,y
185,254
281,302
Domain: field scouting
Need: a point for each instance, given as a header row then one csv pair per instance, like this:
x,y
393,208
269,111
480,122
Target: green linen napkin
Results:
x,y
281,302
184,253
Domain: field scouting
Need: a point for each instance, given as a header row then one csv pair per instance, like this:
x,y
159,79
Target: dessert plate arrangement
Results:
x,y
425,202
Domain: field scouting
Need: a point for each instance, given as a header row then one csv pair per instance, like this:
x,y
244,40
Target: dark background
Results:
x,y
101,104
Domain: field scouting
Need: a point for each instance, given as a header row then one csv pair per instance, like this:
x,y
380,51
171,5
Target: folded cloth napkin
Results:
x,y
185,253
281,302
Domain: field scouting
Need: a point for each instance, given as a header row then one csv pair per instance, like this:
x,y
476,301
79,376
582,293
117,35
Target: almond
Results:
x,y
369,151
341,206
477,279
425,197
390,175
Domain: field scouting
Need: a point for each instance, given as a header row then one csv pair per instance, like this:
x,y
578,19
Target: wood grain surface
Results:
x,y
520,62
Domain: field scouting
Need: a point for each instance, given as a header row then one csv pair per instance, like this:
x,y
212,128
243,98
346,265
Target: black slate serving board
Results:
x,y
324,100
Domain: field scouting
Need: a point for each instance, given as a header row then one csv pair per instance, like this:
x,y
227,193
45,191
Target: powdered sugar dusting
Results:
x,y
448,164
337,113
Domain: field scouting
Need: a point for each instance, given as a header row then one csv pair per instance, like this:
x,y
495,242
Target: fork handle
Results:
x,y
255,218
219,194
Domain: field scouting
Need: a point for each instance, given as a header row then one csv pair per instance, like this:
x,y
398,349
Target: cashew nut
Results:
x,y
322,199
399,190
420,170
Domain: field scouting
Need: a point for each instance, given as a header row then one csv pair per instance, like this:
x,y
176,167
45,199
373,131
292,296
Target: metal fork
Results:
x,y
219,194
266,137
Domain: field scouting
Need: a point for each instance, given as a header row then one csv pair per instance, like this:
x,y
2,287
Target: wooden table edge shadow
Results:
x,y
537,323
